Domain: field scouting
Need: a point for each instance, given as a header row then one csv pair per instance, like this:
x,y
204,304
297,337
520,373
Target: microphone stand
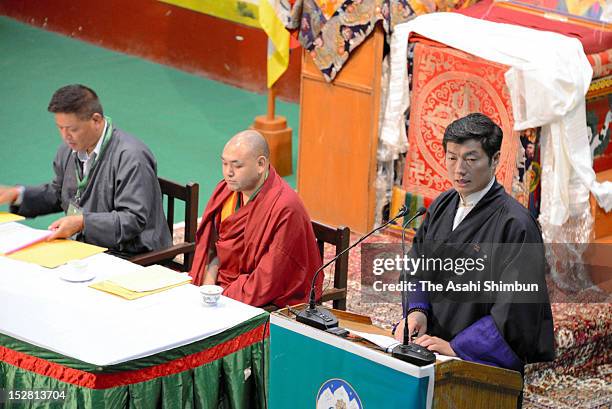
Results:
x,y
408,351
321,318
404,280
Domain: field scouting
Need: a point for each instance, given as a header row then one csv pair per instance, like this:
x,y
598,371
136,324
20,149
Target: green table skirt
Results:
x,y
225,370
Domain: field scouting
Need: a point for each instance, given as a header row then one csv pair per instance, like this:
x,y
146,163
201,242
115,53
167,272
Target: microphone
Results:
x,y
321,318
407,351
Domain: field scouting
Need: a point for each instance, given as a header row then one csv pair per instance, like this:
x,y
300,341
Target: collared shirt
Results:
x,y
466,205
88,159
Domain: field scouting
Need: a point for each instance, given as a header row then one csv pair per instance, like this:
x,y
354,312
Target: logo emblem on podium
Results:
x,y
337,394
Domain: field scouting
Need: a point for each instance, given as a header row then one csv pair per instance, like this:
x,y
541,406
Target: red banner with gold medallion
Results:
x,y
448,84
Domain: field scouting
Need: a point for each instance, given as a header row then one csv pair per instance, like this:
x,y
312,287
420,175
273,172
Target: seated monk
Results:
x,y
255,239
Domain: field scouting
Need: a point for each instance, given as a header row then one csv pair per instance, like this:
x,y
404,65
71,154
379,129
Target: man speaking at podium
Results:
x,y
255,239
494,329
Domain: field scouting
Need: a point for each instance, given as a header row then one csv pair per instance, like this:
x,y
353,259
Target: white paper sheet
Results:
x,y
383,341
15,236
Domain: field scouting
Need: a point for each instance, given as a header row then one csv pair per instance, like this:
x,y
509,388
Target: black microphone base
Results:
x,y
414,354
317,317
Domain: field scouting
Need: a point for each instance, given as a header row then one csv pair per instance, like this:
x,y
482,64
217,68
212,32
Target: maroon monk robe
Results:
x,y
267,249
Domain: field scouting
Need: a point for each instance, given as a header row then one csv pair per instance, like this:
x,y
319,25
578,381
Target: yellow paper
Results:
x,y
54,253
6,217
149,278
114,289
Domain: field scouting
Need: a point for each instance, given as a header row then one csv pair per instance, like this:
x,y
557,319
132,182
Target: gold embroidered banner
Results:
x,y
448,84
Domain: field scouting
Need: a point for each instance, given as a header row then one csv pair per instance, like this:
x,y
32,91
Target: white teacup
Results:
x,y
78,266
77,271
210,294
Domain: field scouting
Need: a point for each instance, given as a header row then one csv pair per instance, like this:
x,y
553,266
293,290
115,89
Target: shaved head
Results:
x,y
252,142
245,160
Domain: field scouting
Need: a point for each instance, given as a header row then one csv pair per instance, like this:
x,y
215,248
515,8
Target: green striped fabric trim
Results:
x,y
145,362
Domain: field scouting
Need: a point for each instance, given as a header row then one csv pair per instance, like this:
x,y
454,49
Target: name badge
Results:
x,y
74,209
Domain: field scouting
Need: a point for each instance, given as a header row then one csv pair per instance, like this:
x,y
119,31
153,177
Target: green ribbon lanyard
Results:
x,y
82,183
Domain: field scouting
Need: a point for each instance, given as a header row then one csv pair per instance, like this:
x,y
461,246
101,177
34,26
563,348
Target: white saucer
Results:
x,y
77,276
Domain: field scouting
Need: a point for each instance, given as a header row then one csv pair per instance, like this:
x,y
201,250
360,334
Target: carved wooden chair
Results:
x,y
189,194
340,238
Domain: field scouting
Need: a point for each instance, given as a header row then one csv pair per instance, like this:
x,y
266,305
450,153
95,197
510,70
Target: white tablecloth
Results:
x,y
38,307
